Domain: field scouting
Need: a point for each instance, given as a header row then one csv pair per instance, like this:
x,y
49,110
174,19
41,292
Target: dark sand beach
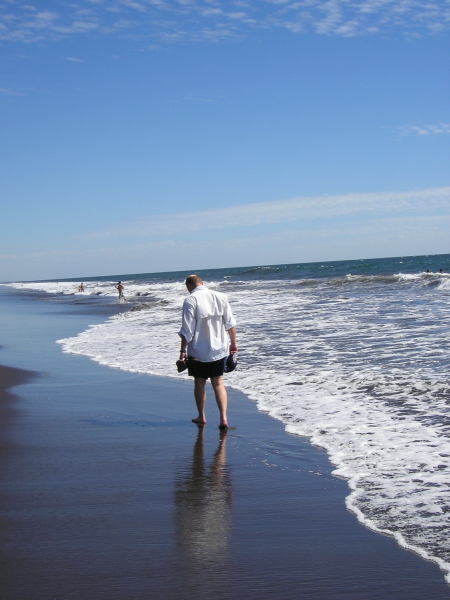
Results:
x,y
108,491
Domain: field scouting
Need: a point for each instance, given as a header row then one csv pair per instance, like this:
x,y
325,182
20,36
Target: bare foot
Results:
x,y
199,421
223,426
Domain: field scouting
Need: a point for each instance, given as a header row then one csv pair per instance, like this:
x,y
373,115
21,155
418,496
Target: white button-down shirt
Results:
x,y
207,316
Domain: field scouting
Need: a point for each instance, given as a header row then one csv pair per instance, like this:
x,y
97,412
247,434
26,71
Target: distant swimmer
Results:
x,y
441,270
81,287
119,287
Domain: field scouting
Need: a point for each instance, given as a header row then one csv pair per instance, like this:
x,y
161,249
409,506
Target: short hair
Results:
x,y
193,280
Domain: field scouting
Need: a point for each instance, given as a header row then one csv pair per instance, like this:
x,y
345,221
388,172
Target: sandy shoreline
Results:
x,y
109,492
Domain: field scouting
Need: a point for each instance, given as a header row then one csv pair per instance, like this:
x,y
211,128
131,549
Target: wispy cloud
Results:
x,y
10,92
431,201
425,129
296,230
174,20
375,237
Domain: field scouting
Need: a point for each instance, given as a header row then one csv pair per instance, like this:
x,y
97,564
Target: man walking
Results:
x,y
208,335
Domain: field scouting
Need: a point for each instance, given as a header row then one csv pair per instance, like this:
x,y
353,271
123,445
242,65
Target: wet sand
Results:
x,y
9,377
108,491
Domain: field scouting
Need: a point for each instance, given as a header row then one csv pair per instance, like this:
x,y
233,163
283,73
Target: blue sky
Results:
x,y
156,135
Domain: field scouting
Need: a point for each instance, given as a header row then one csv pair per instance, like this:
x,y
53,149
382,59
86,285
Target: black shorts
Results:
x,y
206,369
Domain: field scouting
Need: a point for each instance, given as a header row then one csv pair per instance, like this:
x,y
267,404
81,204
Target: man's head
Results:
x,y
192,282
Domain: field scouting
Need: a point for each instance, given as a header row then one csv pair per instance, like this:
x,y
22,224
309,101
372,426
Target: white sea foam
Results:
x,y
359,365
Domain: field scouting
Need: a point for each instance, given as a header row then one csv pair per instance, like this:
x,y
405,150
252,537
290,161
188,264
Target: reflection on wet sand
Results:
x,y
203,505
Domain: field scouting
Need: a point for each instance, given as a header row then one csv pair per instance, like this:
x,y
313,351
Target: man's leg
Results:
x,y
221,398
200,399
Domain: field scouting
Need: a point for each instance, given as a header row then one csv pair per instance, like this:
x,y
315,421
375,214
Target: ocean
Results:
x,y
353,355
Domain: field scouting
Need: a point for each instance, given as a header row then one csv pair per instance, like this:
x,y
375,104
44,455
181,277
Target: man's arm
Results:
x,y
187,330
183,346
233,343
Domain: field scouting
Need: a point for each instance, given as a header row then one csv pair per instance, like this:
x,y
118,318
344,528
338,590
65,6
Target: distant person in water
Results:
x,y
120,288
441,270
208,335
81,287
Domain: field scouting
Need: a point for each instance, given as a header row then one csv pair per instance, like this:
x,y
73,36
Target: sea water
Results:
x,y
352,354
